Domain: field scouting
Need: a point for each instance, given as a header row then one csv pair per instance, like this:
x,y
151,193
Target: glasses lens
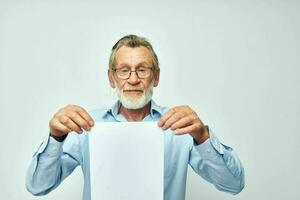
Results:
x,y
143,72
123,73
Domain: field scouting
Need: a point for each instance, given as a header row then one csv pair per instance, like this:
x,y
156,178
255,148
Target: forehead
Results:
x,y
133,56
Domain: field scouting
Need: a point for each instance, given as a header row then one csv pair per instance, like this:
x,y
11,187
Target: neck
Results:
x,y
135,114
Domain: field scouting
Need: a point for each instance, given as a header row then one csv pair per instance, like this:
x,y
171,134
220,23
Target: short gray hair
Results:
x,y
133,41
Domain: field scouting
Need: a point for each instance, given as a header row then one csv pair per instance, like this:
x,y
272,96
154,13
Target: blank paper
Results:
x,y
126,161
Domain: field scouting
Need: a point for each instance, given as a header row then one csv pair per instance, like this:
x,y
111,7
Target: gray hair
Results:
x,y
133,41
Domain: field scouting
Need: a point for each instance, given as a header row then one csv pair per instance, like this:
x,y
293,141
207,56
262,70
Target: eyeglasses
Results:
x,y
125,72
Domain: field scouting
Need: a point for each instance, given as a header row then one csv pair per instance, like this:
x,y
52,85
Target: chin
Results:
x,y
134,103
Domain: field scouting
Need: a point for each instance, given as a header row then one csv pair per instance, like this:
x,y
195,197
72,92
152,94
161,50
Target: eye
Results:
x,y
124,70
142,69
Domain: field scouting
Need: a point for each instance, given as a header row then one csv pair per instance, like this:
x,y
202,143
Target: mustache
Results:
x,y
133,88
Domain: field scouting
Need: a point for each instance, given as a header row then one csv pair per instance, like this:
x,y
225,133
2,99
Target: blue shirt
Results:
x,y
213,161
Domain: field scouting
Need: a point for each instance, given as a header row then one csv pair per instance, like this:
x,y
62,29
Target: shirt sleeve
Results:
x,y
218,164
51,164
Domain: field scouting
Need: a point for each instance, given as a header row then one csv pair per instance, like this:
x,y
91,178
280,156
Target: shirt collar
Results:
x,y
154,109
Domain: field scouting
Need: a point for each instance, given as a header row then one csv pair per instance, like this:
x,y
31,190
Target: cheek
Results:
x,y
120,84
147,84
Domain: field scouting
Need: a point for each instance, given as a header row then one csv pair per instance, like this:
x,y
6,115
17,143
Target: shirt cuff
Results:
x,y
211,146
50,147
54,147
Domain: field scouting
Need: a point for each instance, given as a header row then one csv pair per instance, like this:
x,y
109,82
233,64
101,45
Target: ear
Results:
x,y
111,78
156,78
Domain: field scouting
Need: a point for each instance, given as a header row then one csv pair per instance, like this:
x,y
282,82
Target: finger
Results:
x,y
76,118
166,116
183,122
84,114
186,130
174,118
58,128
66,121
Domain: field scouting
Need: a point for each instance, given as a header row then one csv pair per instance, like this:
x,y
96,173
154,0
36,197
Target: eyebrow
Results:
x,y
138,65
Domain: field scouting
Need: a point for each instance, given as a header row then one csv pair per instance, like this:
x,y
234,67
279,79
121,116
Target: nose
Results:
x,y
133,78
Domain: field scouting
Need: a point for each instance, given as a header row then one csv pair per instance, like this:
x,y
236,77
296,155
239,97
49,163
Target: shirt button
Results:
x,y
208,151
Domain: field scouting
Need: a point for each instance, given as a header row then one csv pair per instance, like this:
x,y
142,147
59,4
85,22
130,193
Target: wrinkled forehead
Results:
x,y
133,56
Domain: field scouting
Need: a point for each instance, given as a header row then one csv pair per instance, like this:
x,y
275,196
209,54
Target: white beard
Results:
x,y
135,103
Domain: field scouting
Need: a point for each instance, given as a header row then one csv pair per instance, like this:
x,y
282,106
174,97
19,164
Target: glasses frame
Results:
x,y
115,70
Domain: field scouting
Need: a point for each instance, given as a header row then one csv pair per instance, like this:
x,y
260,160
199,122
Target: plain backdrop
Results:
x,y
234,62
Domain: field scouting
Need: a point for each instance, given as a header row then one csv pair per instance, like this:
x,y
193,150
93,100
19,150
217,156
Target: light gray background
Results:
x,y
235,62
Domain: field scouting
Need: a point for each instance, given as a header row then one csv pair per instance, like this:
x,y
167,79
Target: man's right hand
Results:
x,y
70,118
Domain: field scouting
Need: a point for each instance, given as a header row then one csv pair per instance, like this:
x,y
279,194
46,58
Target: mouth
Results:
x,y
133,91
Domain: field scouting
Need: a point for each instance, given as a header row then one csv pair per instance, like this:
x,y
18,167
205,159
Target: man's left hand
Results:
x,y
183,120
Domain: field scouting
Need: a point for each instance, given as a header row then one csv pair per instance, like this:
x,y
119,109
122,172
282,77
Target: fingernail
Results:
x,y
91,123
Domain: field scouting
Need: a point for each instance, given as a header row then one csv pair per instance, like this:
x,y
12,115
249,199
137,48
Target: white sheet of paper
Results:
x,y
126,161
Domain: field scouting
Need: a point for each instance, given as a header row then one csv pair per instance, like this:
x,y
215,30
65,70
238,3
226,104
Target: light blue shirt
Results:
x,y
213,161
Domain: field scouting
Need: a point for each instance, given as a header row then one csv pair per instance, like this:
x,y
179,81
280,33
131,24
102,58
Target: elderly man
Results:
x,y
133,72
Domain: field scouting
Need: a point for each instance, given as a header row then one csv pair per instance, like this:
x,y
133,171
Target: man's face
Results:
x,y
134,92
